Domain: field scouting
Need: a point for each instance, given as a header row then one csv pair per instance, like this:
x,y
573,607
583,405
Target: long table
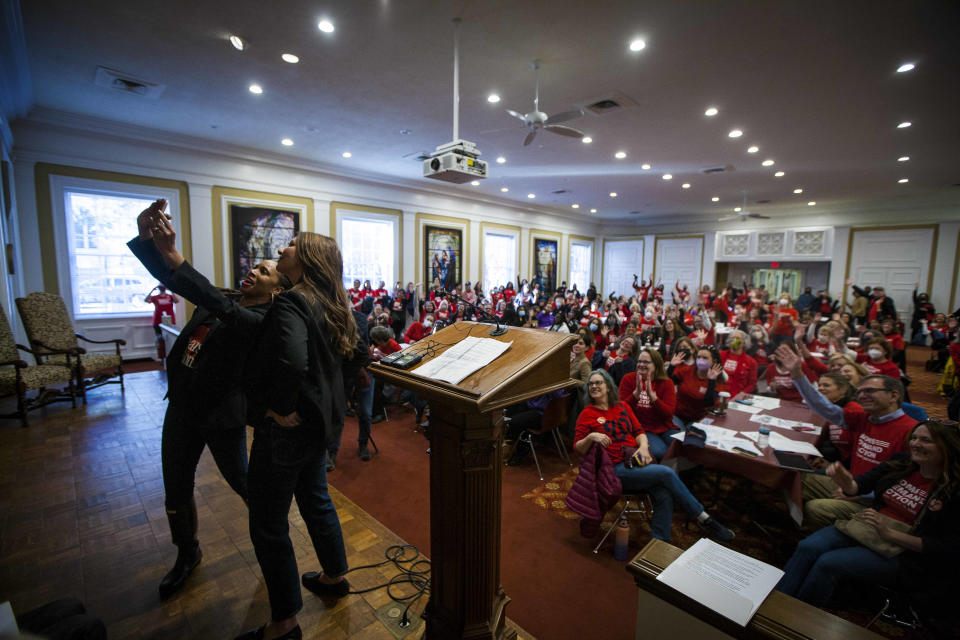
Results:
x,y
763,470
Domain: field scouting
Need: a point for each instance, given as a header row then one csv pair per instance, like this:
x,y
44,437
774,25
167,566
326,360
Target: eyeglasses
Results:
x,y
595,384
870,390
646,362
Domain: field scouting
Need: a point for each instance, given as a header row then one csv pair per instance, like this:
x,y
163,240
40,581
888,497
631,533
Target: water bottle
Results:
x,y
764,440
622,540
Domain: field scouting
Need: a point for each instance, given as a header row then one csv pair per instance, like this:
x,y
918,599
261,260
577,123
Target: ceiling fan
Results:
x,y
743,214
536,119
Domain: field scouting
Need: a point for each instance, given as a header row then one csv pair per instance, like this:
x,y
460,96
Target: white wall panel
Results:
x,y
679,259
895,259
621,260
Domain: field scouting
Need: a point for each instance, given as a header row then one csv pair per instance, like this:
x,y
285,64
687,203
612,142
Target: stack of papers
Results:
x,y
781,423
462,359
783,443
746,408
723,439
764,402
730,583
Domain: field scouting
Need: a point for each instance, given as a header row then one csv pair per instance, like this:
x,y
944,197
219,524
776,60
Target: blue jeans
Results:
x,y
288,462
660,442
664,488
828,557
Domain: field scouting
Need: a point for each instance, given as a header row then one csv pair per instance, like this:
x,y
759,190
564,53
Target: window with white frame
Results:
x,y
368,244
499,259
581,260
105,277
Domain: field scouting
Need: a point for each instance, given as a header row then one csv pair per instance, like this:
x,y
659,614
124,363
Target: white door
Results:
x,y
621,260
679,260
895,259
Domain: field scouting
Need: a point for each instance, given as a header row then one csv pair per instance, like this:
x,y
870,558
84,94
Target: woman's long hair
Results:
x,y
322,284
946,437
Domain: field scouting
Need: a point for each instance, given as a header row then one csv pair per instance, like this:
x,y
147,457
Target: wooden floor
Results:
x,y
82,514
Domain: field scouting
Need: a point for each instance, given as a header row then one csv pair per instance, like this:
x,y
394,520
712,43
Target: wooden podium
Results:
x,y
466,599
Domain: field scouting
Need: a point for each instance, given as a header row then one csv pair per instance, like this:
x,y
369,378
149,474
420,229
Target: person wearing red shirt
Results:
x,y
782,321
383,345
650,394
779,377
740,368
419,330
609,423
162,304
697,385
876,359
508,292
890,334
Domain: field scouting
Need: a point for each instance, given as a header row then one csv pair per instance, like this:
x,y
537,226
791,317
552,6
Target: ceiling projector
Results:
x,y
457,161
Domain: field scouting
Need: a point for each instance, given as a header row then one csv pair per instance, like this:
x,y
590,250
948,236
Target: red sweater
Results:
x,y
741,372
886,368
782,383
655,417
875,443
618,422
416,331
782,326
690,393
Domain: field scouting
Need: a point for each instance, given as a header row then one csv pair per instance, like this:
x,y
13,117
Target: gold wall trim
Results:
x,y
424,219
546,235
484,226
41,174
571,238
223,195
364,208
703,244
904,227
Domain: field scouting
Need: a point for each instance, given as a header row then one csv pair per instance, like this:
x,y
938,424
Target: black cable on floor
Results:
x,y
412,571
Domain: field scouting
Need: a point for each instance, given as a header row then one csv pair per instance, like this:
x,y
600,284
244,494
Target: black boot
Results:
x,y
183,529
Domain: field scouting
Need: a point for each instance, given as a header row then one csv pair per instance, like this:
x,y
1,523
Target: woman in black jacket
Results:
x,y
296,403
922,492
205,378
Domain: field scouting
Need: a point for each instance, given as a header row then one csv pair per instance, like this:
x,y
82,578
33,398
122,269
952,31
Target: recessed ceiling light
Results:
x,y
753,149
593,210
735,133
504,189
767,163
903,158
811,203
475,183
237,43
255,88
613,194
738,209
574,206
667,176
531,195
326,26
685,185
501,159
903,180
493,98
909,66
904,125
586,139
637,44
645,166
798,190
715,199
711,111
779,174
289,57
347,154
287,142
620,155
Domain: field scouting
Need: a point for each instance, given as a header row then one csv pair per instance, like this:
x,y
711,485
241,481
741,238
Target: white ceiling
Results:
x,y
813,83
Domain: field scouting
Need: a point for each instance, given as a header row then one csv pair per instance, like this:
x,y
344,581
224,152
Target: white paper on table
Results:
x,y
462,359
730,583
738,443
781,423
746,408
764,402
753,435
783,443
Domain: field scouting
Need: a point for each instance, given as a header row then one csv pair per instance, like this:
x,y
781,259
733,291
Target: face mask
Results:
x,y
736,344
784,302
703,364
648,315
594,327
757,336
427,324
875,354
522,312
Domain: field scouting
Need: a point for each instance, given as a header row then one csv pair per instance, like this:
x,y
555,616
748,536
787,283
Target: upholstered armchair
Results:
x,y
51,334
17,377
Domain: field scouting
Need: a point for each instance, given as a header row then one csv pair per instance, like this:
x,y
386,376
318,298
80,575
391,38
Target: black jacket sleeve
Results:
x,y
287,338
148,255
195,287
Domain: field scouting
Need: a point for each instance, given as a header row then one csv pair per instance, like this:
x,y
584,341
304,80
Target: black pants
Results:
x,y
288,462
182,443
64,619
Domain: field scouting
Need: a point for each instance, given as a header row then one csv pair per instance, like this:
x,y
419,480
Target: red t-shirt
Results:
x,y
819,347
653,417
782,383
690,393
618,422
875,443
904,500
162,304
416,331
741,372
707,340
895,340
783,326
390,347
886,368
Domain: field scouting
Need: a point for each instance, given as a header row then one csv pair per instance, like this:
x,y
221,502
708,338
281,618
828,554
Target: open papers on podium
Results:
x,y
730,583
462,359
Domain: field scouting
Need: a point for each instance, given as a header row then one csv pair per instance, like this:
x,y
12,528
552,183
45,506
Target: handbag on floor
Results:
x,y
866,534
